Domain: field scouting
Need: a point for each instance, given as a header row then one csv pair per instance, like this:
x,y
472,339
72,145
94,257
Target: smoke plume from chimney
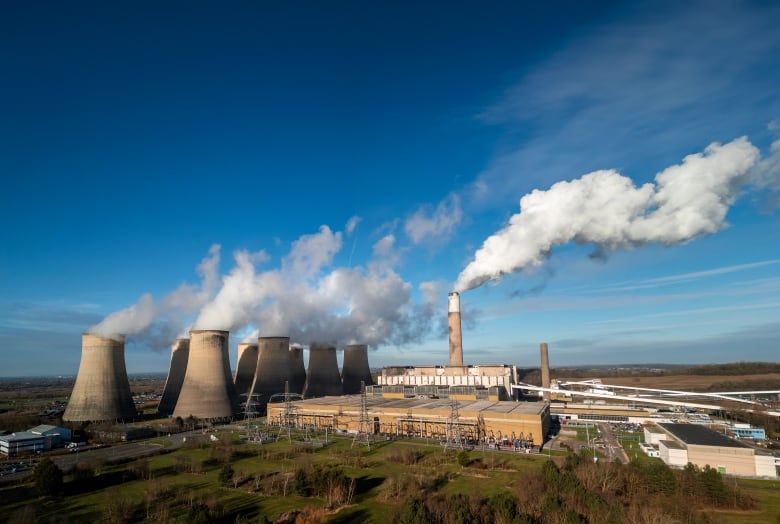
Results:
x,y
606,209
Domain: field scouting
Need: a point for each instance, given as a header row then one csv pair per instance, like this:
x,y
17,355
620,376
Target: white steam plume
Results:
x,y
309,300
159,322
607,209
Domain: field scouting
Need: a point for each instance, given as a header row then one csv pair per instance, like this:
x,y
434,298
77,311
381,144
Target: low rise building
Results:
x,y
701,446
21,443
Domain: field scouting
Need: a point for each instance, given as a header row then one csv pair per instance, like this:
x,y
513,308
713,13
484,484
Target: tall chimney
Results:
x,y
545,369
456,338
101,390
246,365
180,351
208,391
323,378
355,369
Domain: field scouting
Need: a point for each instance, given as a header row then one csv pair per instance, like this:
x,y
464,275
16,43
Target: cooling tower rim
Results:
x,y
272,337
198,331
247,344
116,337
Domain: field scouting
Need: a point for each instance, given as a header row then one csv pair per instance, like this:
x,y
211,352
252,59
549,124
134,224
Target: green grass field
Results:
x,y
172,485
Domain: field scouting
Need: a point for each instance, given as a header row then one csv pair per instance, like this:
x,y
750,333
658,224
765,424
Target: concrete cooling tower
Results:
x,y
273,368
297,370
101,391
355,369
456,336
180,351
323,378
207,391
245,367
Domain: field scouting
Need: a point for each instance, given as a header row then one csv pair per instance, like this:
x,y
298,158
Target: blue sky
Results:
x,y
351,160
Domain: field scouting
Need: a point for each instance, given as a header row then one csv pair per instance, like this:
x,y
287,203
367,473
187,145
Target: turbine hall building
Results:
x,y
420,418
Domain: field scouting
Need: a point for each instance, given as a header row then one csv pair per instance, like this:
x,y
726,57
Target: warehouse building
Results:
x,y
701,446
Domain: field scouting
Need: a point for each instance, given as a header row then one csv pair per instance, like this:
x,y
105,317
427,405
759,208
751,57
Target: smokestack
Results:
x,y
273,368
323,378
355,368
207,391
246,365
545,369
180,351
456,337
297,370
101,391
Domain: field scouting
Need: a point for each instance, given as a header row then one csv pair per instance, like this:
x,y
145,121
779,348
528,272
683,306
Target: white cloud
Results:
x,y
434,225
352,223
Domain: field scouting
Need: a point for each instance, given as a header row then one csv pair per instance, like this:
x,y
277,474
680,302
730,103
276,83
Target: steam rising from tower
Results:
x,y
456,336
101,391
606,209
355,369
208,391
323,378
180,351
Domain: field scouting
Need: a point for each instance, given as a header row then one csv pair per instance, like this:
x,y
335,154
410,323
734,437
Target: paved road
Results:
x,y
612,448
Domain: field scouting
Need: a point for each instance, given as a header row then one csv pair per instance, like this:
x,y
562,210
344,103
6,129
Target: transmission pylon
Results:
x,y
364,428
288,415
454,436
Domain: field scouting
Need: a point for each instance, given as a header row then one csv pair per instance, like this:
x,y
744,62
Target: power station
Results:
x,y
208,391
297,369
200,383
246,365
323,378
102,390
355,369
273,369
180,351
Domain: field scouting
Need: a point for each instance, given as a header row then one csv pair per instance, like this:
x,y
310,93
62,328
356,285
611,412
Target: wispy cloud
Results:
x,y
687,277
663,77
434,225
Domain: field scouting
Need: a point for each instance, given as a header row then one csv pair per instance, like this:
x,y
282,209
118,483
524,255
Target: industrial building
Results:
x,y
475,421
446,381
39,438
697,444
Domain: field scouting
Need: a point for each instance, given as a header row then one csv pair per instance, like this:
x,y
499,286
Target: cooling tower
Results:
x,y
207,391
545,369
273,368
180,351
245,367
297,370
101,391
456,338
355,369
323,378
